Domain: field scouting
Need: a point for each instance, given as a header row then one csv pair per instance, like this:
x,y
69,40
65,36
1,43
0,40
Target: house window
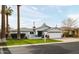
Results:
x,y
31,32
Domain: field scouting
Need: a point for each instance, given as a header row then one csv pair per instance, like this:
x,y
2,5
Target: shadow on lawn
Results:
x,y
5,50
28,42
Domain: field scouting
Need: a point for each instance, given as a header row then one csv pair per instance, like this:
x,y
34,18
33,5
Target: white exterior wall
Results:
x,y
36,32
26,33
12,32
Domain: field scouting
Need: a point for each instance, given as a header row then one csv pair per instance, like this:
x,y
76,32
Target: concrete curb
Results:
x,y
27,45
34,44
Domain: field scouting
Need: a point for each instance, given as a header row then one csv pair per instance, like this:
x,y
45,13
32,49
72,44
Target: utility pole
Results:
x,y
18,22
3,35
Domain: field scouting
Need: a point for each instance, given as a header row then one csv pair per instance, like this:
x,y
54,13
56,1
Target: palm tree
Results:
x,y
8,12
18,21
3,37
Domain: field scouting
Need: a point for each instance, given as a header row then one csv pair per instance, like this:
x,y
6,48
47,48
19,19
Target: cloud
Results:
x,y
33,13
34,8
0,8
58,8
74,16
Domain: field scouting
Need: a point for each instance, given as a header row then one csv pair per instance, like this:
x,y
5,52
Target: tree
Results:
x,y
69,23
68,26
18,21
8,12
3,37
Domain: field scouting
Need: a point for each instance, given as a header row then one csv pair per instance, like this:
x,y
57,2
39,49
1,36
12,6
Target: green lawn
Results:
x,y
29,41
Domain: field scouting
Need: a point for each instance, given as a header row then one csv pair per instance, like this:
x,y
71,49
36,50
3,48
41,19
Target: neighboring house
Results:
x,y
53,32
70,32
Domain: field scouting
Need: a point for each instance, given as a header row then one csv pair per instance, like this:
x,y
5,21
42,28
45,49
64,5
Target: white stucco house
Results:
x,y
53,32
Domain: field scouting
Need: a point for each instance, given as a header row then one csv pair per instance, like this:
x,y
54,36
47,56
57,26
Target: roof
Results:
x,y
54,29
67,28
43,27
24,30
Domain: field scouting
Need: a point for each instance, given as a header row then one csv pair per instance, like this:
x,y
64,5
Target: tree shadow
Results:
x,y
5,50
48,49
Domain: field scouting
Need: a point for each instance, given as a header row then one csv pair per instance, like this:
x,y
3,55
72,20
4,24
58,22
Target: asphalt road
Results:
x,y
59,48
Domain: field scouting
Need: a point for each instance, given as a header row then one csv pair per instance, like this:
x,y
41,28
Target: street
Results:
x,y
58,48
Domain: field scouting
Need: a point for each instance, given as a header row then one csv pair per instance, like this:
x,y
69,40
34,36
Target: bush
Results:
x,y
66,34
14,36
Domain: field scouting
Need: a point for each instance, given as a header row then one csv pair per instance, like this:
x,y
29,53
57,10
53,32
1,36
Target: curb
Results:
x,y
34,44
27,45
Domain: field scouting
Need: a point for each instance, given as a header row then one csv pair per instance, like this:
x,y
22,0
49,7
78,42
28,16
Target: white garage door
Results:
x,y
55,35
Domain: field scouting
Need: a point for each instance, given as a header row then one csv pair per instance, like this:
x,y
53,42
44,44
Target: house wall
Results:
x,y
27,34
75,33
78,33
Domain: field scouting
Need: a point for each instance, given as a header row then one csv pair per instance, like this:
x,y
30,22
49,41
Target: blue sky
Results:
x,y
49,14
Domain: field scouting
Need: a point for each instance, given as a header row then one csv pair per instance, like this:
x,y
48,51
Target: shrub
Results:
x,y
14,36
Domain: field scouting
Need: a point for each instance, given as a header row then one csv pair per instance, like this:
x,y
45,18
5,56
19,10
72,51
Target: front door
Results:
x,y
39,33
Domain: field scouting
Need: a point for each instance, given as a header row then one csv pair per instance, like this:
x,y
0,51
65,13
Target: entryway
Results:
x,y
39,33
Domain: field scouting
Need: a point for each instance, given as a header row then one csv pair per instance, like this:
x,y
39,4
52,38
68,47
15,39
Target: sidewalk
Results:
x,y
70,39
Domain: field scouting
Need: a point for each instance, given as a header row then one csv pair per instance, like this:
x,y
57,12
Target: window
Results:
x,y
31,32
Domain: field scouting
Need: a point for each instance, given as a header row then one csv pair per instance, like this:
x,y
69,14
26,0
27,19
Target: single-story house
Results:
x,y
53,32
39,32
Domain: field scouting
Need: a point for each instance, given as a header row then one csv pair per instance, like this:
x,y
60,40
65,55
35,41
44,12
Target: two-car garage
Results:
x,y
55,33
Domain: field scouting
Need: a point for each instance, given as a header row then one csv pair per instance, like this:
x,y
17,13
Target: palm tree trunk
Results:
x,y
3,36
7,32
18,22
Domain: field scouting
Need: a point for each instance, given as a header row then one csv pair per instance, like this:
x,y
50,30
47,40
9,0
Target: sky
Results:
x,y
52,15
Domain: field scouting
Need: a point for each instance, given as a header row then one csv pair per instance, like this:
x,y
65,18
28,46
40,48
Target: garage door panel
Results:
x,y
55,35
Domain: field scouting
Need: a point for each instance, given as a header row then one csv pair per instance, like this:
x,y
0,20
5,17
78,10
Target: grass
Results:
x,y
29,41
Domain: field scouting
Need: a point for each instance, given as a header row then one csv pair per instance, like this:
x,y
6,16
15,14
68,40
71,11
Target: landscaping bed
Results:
x,y
29,41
